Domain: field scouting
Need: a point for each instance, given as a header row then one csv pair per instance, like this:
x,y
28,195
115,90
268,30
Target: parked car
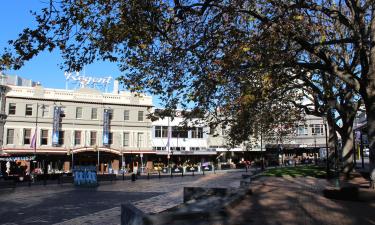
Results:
x,y
366,152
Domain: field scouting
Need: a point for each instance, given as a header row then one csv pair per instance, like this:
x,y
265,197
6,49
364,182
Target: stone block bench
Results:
x,y
201,206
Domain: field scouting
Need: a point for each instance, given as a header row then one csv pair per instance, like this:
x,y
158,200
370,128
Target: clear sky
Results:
x,y
14,17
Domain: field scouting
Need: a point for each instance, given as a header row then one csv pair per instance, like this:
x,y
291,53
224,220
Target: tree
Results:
x,y
186,51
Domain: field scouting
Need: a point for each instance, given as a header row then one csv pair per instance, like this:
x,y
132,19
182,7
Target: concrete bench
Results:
x,y
194,193
201,206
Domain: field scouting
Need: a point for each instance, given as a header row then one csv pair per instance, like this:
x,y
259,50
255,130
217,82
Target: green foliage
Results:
x,y
240,63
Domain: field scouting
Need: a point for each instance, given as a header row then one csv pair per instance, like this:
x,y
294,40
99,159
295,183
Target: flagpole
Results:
x,y
168,143
35,136
36,127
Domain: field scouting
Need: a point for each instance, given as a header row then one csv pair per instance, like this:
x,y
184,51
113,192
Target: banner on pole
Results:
x,y
106,127
56,126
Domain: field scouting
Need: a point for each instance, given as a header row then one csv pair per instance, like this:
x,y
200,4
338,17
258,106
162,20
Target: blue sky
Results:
x,y
14,17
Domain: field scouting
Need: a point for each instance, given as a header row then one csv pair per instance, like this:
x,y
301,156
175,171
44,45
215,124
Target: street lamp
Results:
x,y
325,130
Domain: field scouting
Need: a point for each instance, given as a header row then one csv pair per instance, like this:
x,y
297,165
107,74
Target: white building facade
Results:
x,y
80,136
170,138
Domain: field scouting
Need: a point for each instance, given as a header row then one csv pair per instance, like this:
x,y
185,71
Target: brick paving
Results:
x,y
173,196
56,204
275,200
289,200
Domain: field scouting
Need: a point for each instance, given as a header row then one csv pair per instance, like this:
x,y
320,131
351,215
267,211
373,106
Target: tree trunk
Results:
x,y
370,112
368,96
332,140
347,152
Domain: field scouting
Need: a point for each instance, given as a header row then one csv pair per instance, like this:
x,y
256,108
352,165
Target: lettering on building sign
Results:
x,y
87,81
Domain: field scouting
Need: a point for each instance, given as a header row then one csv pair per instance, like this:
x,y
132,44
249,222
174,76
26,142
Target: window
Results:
x,y
302,130
12,109
26,136
161,132
157,131
126,139
92,138
317,129
94,113
140,115
223,131
10,136
43,137
197,132
139,139
29,110
77,137
164,132
178,148
178,132
61,137
62,112
212,130
45,111
126,115
110,138
79,112
110,114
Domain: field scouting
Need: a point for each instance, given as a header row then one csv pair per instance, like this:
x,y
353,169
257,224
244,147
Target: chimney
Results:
x,y
115,86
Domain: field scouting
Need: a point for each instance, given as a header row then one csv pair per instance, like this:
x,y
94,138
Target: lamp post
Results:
x,y
325,130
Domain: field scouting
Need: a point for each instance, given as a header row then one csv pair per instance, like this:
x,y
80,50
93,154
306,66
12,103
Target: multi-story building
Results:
x,y
60,128
16,80
307,140
3,91
172,139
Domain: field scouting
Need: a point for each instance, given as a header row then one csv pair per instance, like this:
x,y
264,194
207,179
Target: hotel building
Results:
x,y
59,128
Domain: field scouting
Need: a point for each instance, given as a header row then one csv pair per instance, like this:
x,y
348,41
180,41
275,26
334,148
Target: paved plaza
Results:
x,y
275,200
66,204
299,201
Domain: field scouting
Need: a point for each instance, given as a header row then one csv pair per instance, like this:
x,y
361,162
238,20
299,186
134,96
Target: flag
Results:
x,y
33,141
169,139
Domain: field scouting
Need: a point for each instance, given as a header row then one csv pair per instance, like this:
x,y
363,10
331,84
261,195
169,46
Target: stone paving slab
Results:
x,y
298,200
70,205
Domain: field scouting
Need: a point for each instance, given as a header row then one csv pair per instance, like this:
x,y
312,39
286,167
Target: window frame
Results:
x,y
79,109
43,139
29,110
164,132
10,141
139,139
93,138
140,116
77,137
315,127
25,131
61,140
126,115
45,111
305,130
125,140
12,109
110,138
158,131
92,113
197,132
